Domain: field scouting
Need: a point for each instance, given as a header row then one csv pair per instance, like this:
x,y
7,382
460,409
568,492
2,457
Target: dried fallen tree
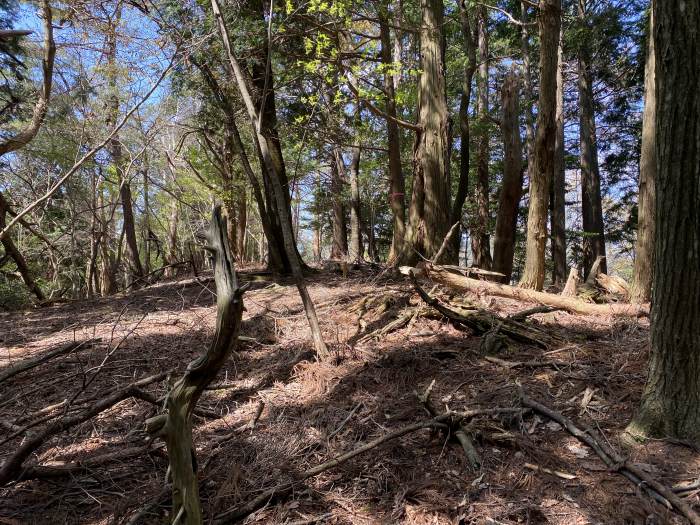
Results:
x,y
175,425
614,461
482,322
570,304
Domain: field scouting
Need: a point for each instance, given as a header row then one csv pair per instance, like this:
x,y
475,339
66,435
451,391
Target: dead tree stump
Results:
x,y
175,425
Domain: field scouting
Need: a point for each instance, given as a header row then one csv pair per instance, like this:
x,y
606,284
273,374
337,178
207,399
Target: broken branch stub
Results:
x,y
175,425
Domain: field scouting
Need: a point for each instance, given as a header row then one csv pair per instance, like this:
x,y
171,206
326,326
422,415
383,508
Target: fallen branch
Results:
x,y
524,314
570,304
482,322
615,461
71,468
461,432
33,362
11,469
233,515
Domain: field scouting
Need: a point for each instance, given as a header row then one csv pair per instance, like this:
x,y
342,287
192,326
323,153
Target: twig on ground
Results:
x,y
232,515
615,461
342,425
33,362
12,467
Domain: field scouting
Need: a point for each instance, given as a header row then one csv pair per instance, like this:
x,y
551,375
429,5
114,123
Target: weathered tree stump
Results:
x,y
175,425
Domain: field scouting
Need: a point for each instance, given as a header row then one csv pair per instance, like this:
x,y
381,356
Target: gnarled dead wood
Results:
x,y
570,304
615,461
32,362
175,426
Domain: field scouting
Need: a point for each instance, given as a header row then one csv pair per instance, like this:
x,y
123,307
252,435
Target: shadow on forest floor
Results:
x,y
316,410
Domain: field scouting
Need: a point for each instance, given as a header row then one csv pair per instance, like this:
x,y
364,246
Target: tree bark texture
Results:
x,y
558,194
397,184
512,184
591,203
670,403
175,426
429,216
549,25
481,249
339,248
355,250
640,289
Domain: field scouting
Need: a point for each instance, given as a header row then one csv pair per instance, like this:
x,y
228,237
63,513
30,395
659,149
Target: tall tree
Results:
x,y
355,250
481,249
397,185
430,200
269,148
640,289
591,203
558,193
469,46
339,248
115,146
670,403
512,184
549,21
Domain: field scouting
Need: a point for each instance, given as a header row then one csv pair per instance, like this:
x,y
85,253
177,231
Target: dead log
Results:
x,y
482,322
570,304
613,284
33,362
595,270
615,461
11,469
175,425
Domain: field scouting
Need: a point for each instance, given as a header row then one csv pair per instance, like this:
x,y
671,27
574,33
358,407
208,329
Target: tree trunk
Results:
x,y
512,185
429,218
241,224
281,195
397,185
115,151
670,403
469,48
339,248
591,204
173,220
355,248
558,193
146,227
640,290
107,265
12,251
527,90
175,426
549,21
481,252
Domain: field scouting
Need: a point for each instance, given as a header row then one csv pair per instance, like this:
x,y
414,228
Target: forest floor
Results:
x,y
314,411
